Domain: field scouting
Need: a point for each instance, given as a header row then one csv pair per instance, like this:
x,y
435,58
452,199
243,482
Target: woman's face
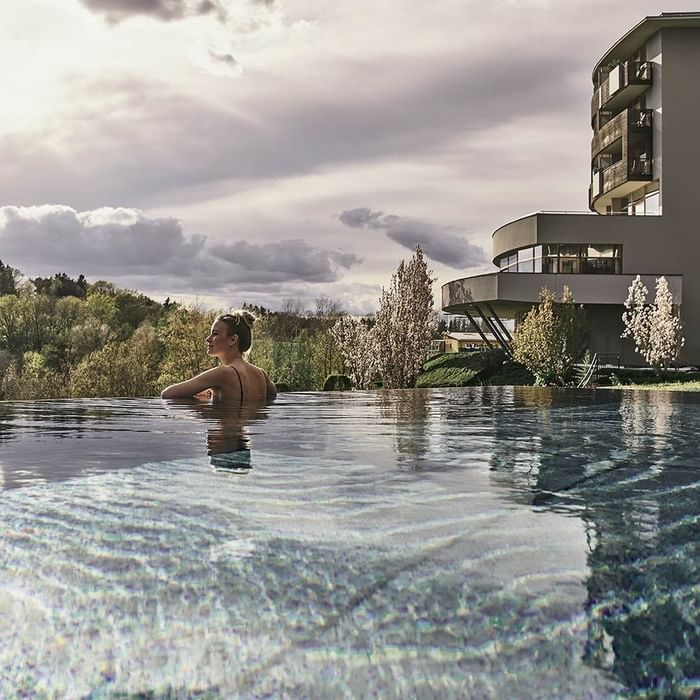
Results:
x,y
218,340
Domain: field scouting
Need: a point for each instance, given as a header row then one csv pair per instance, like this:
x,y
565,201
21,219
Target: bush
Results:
x,y
511,373
128,368
32,379
337,382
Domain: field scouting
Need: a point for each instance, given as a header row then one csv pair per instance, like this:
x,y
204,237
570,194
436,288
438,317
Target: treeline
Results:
x,y
64,337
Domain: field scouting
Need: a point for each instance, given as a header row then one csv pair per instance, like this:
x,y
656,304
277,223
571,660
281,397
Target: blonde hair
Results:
x,y
239,322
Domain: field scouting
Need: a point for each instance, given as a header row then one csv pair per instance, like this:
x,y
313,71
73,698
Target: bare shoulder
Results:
x,y
270,388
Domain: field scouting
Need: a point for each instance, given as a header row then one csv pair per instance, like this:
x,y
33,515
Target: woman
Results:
x,y
235,378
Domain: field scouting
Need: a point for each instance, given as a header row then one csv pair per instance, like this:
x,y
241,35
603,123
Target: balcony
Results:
x,y
621,158
624,84
509,293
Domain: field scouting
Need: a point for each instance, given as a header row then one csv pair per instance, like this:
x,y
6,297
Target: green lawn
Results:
x,y
693,385
480,367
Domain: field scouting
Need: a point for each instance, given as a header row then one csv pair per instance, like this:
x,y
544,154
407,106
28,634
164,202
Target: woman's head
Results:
x,y
240,323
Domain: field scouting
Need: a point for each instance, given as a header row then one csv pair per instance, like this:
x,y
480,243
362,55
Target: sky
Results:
x,y
229,151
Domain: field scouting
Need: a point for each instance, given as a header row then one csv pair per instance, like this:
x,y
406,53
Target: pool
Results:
x,y
492,542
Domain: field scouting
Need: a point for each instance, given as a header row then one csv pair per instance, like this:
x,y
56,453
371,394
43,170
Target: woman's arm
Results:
x,y
210,379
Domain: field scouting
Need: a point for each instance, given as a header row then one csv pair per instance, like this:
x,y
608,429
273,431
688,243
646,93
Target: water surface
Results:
x,y
477,542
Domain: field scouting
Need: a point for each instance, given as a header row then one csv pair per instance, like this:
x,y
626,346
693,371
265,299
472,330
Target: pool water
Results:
x,y
492,542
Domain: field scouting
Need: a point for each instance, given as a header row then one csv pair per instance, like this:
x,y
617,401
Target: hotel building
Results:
x,y
644,198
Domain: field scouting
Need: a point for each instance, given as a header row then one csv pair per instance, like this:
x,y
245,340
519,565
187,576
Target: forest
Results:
x,y
65,337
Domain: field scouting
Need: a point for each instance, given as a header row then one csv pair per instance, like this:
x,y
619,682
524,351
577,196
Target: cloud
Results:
x,y
363,217
118,10
223,57
285,260
437,242
128,247
253,131
103,241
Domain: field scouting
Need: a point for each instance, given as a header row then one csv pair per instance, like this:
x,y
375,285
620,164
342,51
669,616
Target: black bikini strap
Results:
x,y
240,381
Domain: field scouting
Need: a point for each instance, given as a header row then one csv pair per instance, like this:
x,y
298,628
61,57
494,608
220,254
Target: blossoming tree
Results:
x,y
357,346
405,323
655,328
396,345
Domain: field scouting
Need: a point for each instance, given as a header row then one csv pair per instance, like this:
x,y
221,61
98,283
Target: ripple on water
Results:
x,y
405,544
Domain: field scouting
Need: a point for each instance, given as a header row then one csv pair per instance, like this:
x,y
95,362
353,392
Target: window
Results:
x,y
566,258
525,262
569,266
652,204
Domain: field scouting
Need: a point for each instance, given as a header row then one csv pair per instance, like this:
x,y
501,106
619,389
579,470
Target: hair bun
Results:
x,y
243,315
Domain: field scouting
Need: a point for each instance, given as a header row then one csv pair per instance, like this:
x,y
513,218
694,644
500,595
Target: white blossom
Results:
x,y
654,328
357,347
405,323
396,345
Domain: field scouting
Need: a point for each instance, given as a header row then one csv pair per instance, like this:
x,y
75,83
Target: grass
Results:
x,y
459,368
647,379
692,385
480,367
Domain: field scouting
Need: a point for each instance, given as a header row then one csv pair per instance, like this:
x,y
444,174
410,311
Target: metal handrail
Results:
x,y
592,369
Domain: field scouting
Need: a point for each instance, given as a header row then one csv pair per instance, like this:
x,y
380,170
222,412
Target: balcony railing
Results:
x,y
618,174
624,82
631,121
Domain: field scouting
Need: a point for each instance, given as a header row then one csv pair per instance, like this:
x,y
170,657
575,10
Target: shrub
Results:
x,y
337,382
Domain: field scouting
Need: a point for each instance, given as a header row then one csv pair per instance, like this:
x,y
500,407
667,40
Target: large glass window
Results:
x,y
569,266
566,258
525,262
641,204
550,264
569,259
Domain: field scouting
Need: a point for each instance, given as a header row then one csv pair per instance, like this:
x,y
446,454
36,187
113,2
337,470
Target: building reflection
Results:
x,y
625,464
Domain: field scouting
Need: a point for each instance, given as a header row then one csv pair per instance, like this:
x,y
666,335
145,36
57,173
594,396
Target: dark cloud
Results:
x,y
154,253
227,58
363,217
291,259
438,243
117,10
106,241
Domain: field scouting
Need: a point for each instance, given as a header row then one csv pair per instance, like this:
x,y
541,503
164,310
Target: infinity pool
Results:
x,y
468,543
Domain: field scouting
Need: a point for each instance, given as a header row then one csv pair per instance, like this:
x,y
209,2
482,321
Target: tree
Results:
x,y
32,379
655,328
128,368
327,308
9,279
551,337
13,334
183,336
61,285
405,322
355,339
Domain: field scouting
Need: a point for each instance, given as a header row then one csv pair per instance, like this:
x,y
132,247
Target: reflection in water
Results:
x,y
408,412
626,466
228,435
646,420
50,441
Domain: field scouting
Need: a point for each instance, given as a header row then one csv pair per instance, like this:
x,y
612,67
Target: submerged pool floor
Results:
x,y
466,543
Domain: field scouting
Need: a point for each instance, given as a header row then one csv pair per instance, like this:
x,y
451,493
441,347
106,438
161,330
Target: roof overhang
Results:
x,y
642,32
